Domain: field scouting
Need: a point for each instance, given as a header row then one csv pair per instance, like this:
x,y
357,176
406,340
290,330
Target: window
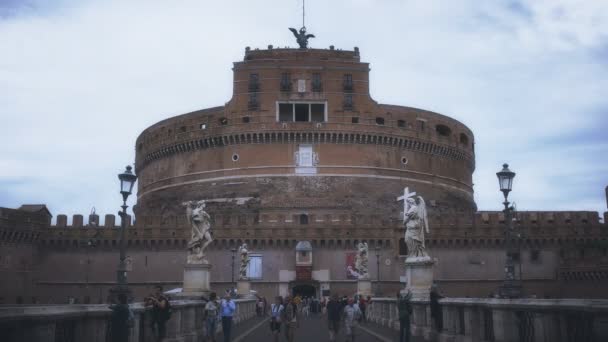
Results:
x,y
183,129
401,123
316,82
254,269
348,102
379,121
355,119
285,112
303,219
254,82
421,124
253,103
348,83
285,82
534,255
223,121
246,119
317,112
443,130
301,112
464,139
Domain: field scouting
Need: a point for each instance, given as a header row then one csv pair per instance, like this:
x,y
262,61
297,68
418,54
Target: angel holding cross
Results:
x,y
416,224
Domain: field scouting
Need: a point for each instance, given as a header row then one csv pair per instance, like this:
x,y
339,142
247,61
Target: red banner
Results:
x,y
303,272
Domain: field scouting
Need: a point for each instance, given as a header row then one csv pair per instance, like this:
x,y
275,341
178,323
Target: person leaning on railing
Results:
x,y
404,306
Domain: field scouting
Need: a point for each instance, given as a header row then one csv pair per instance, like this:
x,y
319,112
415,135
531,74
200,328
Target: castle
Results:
x,y
302,165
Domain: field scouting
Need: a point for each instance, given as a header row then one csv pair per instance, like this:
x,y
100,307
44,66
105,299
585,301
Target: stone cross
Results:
x,y
406,194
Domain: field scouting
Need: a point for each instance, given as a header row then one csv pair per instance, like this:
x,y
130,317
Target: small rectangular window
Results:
x,y
355,119
285,112
400,123
203,126
285,82
254,82
348,102
302,112
348,82
316,82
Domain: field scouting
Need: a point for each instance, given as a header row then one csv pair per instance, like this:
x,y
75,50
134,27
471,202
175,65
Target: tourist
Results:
x,y
265,306
121,320
362,307
211,317
259,309
227,308
352,315
405,310
161,312
334,311
436,313
276,311
290,316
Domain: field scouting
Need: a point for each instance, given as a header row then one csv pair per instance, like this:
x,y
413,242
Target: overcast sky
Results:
x,y
80,79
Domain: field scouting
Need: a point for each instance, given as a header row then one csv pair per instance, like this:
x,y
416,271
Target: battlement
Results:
x,y
541,218
287,53
93,221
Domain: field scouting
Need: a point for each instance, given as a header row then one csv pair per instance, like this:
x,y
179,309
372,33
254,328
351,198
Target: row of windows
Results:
x,y
286,83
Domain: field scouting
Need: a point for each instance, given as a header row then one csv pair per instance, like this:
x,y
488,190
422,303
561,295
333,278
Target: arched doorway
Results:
x,y
304,290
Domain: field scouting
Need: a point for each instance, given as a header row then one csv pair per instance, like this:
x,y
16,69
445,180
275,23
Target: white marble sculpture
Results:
x,y
201,231
361,260
244,252
416,224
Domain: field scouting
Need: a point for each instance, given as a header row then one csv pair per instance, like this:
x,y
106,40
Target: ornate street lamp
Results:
x,y
378,268
511,287
127,180
233,250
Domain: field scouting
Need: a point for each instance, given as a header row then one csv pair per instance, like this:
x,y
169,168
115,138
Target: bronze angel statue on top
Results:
x,y
302,37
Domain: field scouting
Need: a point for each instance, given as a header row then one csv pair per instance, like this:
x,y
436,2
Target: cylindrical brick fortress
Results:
x,y
302,136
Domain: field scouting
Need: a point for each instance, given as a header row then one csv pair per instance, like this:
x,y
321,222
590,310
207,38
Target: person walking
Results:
x,y
405,310
362,307
121,320
227,308
436,314
291,318
352,315
212,310
334,311
276,311
161,312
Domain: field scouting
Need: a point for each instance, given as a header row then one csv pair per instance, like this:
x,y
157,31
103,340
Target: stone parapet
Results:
x,y
501,320
91,322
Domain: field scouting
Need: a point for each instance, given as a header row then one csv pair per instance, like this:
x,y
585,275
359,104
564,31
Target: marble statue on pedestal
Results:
x,y
201,231
244,252
361,261
416,224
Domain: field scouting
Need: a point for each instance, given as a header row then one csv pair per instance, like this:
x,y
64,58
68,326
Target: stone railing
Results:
x,y
72,323
501,320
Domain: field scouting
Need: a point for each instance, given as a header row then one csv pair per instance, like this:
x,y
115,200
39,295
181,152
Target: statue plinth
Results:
x,y
364,287
419,276
243,288
196,280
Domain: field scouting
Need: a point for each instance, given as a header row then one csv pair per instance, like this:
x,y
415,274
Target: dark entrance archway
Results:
x,y
304,290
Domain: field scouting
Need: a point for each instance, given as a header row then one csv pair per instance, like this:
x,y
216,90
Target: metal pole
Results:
x,y
378,273
232,274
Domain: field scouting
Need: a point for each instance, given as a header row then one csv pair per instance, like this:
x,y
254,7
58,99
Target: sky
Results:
x,y
80,79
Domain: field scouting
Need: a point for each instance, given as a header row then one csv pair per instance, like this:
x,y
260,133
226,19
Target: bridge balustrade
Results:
x,y
91,323
501,320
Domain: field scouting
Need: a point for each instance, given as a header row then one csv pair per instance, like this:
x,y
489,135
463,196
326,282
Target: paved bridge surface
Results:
x,y
312,329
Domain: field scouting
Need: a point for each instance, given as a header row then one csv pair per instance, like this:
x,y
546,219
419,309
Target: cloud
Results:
x,y
79,80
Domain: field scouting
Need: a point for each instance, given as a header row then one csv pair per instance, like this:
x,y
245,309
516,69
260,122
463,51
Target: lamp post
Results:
x,y
378,268
511,287
233,250
127,180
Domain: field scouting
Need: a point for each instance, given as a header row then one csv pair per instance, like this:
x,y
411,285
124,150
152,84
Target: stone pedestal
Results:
x,y
243,288
364,287
419,276
196,281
